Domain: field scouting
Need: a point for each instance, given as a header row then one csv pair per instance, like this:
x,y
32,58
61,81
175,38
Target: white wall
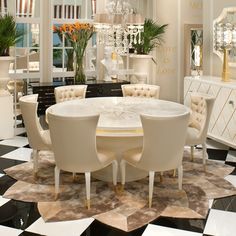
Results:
x,y
211,10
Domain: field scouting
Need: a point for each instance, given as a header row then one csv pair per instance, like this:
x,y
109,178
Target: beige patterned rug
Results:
x,y
126,210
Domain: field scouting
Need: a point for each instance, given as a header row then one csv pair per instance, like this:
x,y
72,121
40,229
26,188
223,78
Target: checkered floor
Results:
x,y
22,218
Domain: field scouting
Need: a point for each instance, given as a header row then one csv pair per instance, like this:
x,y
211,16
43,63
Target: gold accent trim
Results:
x,y
124,131
225,73
88,204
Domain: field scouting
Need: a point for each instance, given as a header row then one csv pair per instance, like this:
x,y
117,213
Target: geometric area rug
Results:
x,y
127,210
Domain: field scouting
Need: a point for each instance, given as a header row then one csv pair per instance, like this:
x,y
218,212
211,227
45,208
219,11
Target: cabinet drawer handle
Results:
x,y
231,102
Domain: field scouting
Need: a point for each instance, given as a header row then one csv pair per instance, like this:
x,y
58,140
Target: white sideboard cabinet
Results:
x,y
222,125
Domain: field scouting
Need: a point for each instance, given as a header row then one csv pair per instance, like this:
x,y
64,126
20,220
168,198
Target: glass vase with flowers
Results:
x,y
78,34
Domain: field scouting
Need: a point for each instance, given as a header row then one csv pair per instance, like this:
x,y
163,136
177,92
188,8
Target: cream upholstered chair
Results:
x,y
75,150
163,145
39,139
70,92
201,108
140,90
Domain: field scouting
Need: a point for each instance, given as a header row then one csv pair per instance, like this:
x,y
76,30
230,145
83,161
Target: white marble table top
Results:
x,y
118,113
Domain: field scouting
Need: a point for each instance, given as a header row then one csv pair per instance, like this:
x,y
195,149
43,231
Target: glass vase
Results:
x,y
70,59
79,71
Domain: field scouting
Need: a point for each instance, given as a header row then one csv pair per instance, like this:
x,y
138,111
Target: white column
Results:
x,y
167,53
170,55
46,41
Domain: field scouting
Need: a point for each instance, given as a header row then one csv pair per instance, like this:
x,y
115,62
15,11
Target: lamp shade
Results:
x,y
117,19
102,18
135,19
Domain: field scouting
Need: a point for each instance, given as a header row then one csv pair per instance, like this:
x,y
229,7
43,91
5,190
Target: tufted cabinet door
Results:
x,y
221,95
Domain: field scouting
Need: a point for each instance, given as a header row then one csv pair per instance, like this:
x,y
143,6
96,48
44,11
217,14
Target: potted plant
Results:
x,y
9,36
151,37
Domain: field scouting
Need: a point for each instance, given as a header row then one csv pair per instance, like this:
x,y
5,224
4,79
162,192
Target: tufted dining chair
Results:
x,y
75,148
70,92
156,155
39,139
201,108
140,90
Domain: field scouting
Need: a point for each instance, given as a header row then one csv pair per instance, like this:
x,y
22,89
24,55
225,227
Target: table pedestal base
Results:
x,y
119,145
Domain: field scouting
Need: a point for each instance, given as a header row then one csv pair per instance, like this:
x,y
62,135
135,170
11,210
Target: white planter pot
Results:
x,y
4,74
141,65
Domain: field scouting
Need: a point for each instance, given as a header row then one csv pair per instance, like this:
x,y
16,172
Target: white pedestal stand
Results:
x,y
141,64
6,117
6,101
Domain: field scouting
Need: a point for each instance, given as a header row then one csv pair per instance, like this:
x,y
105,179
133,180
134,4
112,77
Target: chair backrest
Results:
x,y
163,142
70,92
201,107
28,106
74,142
140,90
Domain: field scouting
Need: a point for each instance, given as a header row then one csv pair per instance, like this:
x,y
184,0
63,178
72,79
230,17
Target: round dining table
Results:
x,y
119,126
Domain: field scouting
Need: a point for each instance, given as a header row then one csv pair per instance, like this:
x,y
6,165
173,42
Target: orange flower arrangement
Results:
x,y
78,34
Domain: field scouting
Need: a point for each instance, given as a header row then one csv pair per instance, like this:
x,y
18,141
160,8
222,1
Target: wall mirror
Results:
x,y
224,39
193,44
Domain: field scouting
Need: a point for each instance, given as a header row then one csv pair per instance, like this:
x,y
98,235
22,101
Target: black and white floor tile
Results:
x,y
23,219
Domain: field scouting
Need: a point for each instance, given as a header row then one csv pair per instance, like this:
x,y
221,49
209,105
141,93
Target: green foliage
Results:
x,y
8,34
151,37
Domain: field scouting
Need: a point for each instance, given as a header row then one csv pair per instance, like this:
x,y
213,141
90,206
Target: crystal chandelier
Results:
x,y
119,27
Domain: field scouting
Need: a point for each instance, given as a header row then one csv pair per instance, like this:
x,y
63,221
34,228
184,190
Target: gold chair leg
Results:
x,y
174,173
122,187
192,153
35,175
74,176
119,188
161,177
88,204
56,196
150,203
